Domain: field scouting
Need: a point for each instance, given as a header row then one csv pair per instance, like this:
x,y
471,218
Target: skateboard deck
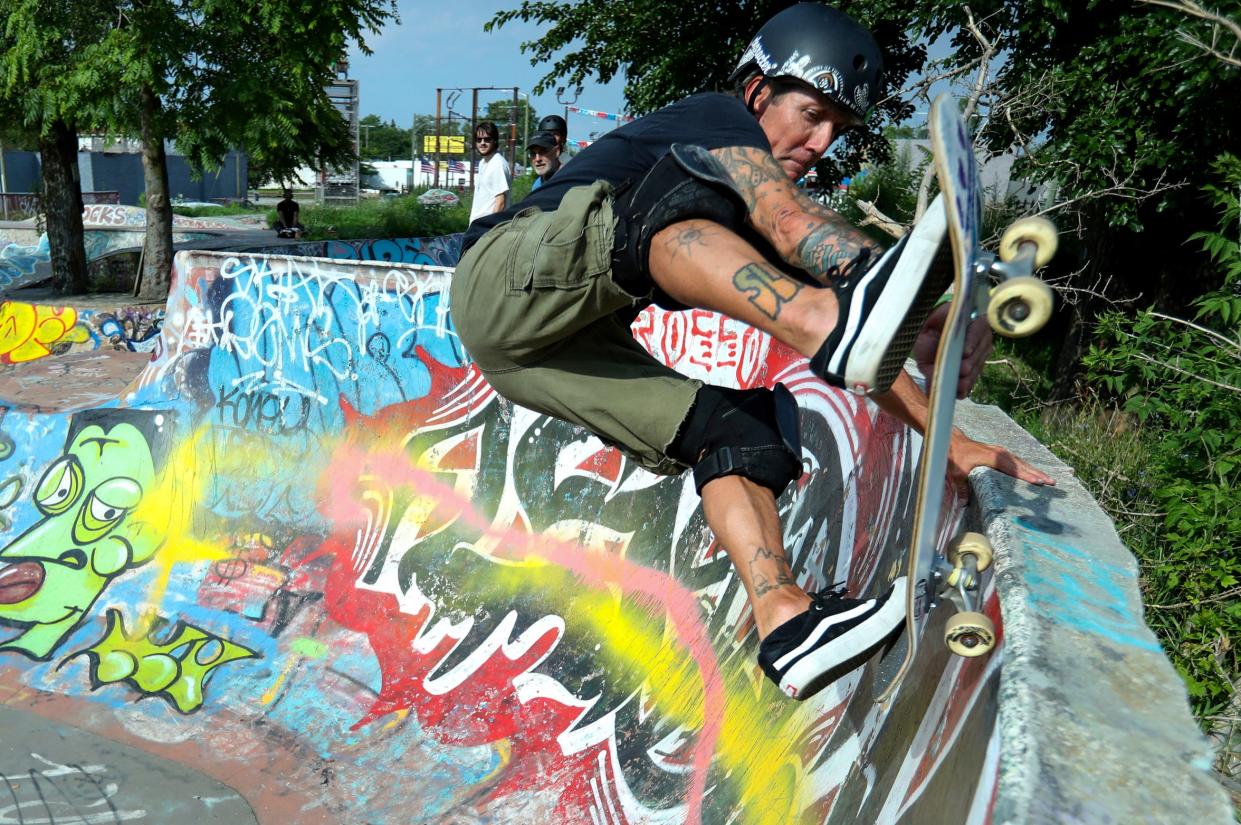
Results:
x,y
1018,307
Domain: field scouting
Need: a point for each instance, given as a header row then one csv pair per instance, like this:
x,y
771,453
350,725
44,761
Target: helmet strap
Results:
x,y
749,100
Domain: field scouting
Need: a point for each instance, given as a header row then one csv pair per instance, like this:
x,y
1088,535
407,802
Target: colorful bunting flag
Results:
x,y
601,115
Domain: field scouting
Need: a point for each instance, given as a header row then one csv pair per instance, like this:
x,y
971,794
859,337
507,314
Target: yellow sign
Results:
x,y
449,144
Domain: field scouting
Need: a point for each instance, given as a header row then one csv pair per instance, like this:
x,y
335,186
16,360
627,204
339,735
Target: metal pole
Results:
x,y
474,131
526,139
438,93
4,182
512,128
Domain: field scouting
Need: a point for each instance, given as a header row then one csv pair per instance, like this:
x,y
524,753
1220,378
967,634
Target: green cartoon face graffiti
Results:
x,y
51,575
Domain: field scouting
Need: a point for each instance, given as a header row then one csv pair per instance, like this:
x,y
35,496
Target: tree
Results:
x,y
40,101
213,77
382,141
667,52
1105,101
524,117
1129,117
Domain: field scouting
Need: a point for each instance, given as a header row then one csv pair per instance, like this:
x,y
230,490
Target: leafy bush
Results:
x,y
401,217
1182,378
214,211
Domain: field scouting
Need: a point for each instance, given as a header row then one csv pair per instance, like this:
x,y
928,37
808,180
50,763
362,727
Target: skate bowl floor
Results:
x,y
299,563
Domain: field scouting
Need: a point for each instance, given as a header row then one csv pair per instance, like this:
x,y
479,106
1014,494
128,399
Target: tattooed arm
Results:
x,y
807,235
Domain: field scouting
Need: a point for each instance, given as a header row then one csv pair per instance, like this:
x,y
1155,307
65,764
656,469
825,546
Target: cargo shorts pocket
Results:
x,y
568,248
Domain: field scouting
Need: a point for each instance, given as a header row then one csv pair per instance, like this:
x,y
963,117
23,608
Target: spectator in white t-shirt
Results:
x,y
491,186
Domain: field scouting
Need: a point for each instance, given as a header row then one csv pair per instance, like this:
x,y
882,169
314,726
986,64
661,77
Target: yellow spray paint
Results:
x,y
169,507
29,331
762,731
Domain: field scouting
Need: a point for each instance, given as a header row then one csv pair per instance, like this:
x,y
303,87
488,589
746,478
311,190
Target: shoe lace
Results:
x,y
847,275
820,599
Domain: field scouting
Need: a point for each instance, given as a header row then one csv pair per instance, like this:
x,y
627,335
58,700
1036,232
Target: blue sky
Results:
x,y
440,44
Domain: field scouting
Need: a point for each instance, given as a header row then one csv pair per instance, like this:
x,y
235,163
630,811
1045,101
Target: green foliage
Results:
x,y
227,75
891,186
498,112
401,217
1182,379
214,211
382,141
668,51
1123,102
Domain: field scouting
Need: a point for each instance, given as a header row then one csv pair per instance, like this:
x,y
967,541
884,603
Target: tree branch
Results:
x,y
1217,22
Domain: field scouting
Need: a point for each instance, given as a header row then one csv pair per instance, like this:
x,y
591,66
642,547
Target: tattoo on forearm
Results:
x,y
763,584
754,172
829,244
767,289
825,252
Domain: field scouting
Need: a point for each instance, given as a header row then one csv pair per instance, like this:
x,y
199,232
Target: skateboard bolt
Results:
x,y
1019,311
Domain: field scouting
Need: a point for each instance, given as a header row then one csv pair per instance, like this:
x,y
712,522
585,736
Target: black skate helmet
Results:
x,y
821,46
554,123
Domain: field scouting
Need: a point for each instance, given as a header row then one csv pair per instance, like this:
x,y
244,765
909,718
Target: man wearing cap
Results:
x,y
695,205
544,153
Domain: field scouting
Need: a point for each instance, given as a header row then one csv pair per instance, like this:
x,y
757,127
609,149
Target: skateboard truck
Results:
x,y
1021,304
969,632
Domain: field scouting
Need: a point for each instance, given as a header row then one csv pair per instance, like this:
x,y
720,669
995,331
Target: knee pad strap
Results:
x,y
751,433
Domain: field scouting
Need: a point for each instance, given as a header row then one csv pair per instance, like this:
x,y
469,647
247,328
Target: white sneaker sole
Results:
x,y
888,333
853,643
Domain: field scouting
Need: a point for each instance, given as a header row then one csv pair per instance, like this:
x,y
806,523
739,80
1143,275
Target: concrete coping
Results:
x,y
1094,721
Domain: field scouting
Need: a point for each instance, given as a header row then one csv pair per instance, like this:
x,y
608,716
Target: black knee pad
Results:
x,y
751,433
686,183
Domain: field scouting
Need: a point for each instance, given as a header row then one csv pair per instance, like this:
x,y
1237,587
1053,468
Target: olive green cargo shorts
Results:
x,y
533,301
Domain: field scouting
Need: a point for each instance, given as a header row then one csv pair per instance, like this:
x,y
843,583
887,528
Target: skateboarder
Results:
x,y
695,206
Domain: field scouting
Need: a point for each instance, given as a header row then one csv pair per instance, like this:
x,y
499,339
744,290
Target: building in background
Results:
x,y
111,164
342,184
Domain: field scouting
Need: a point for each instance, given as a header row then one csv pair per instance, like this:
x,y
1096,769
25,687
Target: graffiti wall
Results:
x,y
32,331
441,251
22,204
309,552
19,263
108,215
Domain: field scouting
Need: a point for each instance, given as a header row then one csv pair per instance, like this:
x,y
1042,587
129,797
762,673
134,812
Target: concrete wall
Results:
x,y
22,171
122,172
316,569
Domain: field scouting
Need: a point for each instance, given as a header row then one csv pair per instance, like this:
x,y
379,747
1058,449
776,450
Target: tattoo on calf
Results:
x,y
763,584
767,289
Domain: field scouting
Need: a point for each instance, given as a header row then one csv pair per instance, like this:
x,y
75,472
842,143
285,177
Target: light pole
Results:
x,y
525,140
560,98
452,98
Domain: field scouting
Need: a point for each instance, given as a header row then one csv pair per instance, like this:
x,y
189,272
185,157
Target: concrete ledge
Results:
x,y
1094,721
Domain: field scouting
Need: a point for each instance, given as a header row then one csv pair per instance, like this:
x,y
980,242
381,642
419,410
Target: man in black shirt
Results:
x,y
695,206
288,217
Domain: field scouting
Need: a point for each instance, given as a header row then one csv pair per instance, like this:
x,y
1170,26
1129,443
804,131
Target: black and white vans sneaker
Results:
x,y
883,309
834,630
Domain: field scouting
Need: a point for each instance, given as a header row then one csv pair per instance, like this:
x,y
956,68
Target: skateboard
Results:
x,y
1018,306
